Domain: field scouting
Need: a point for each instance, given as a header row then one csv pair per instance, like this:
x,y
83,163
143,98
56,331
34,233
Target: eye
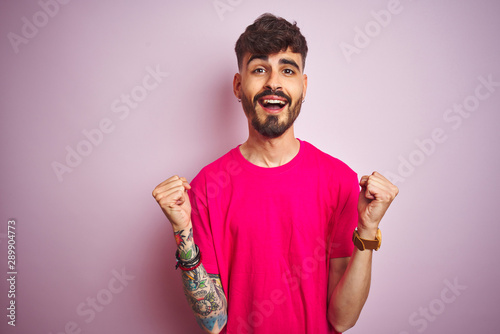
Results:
x,y
288,71
259,70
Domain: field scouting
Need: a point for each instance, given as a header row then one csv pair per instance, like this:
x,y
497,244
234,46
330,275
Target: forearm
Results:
x,y
204,293
349,284
350,294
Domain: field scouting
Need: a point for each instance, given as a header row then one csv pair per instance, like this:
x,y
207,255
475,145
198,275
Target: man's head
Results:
x,y
270,34
271,57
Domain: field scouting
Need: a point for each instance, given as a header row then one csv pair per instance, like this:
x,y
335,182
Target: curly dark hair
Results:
x,y
270,34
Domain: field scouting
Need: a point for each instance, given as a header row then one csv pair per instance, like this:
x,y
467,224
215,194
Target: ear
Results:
x,y
304,87
237,85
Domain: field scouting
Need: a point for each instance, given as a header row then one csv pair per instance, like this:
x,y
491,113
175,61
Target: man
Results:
x,y
265,233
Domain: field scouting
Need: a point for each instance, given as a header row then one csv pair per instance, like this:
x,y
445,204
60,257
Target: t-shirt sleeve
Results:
x,y
202,231
346,218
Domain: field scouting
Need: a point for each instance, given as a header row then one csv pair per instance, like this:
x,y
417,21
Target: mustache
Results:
x,y
272,92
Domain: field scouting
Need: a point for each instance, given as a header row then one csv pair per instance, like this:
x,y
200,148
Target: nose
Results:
x,y
273,81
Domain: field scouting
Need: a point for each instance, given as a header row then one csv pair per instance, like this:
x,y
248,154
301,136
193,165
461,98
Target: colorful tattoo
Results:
x,y
209,323
193,281
203,307
206,297
184,241
181,238
186,255
204,292
218,289
212,299
178,238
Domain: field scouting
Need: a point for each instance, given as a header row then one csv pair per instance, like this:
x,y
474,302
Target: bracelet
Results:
x,y
189,264
188,269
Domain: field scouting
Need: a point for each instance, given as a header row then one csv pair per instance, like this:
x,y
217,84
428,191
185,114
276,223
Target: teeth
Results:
x,y
274,102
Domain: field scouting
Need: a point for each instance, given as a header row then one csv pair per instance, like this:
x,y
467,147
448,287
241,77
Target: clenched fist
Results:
x,y
173,199
377,193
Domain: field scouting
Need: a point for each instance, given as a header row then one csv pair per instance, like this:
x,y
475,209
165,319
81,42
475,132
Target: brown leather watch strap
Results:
x,y
363,244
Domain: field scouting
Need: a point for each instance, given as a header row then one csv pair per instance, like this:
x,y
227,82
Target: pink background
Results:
x,y
369,110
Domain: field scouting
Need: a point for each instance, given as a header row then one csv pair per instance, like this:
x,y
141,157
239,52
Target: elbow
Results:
x,y
219,322
213,331
340,326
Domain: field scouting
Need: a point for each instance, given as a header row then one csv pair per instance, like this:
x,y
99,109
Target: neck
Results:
x,y
267,152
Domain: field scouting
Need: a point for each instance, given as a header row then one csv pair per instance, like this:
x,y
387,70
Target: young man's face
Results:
x,y
271,89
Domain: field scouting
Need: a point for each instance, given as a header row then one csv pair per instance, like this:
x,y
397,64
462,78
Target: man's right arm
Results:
x,y
203,291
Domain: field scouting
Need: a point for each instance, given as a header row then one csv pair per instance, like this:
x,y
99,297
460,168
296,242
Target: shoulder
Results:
x,y
327,163
220,169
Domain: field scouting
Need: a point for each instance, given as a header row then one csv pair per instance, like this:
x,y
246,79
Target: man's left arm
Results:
x,y
349,278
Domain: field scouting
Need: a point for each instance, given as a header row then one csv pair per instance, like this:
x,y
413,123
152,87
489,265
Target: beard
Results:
x,y
271,126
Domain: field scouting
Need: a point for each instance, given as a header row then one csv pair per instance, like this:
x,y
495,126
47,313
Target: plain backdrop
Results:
x,y
408,88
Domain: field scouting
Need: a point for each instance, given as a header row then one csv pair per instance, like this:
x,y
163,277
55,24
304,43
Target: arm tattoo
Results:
x,y
204,292
184,241
183,236
178,238
218,289
192,280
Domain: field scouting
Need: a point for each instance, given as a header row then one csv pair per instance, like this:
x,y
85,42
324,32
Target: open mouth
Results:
x,y
273,104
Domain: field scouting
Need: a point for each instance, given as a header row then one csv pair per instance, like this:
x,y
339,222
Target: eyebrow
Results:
x,y
291,62
283,61
262,57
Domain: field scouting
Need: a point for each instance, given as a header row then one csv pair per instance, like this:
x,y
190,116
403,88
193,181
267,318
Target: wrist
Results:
x,y
188,264
366,241
368,233
186,247
179,228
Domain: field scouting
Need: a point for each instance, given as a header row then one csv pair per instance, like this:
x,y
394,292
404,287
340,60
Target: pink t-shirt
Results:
x,y
269,232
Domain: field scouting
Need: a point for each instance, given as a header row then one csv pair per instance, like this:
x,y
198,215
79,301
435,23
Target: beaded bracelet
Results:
x,y
190,264
188,269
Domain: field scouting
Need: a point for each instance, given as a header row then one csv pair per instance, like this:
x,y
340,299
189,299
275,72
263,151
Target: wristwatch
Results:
x,y
363,244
